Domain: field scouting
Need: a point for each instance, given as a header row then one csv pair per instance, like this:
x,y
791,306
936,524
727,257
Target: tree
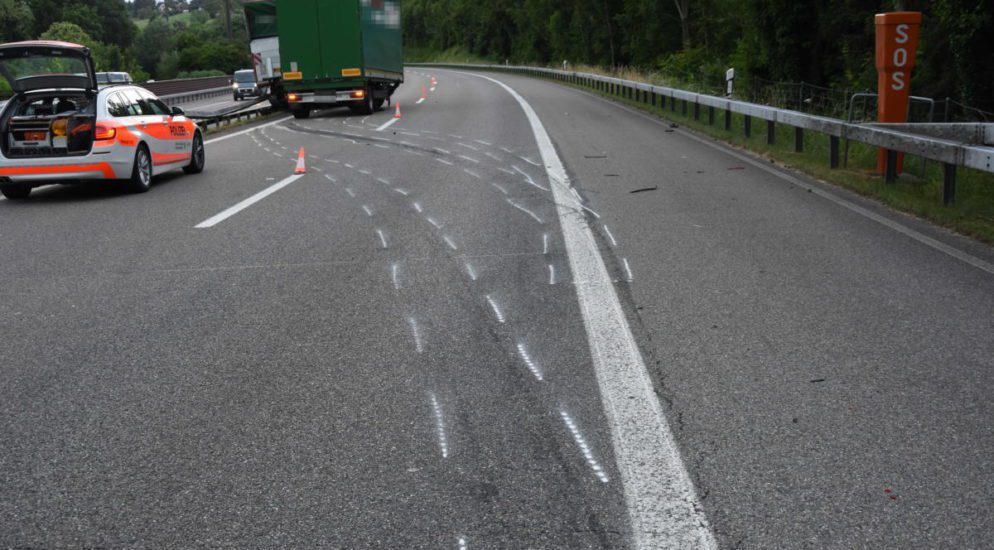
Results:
x,y
16,20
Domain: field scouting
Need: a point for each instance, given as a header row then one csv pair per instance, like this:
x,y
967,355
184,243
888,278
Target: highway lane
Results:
x,y
389,351
308,371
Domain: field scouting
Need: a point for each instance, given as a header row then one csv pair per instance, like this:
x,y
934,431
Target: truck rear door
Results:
x,y
320,40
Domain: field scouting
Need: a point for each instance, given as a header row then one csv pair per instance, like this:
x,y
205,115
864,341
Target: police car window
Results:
x,y
157,106
117,105
138,104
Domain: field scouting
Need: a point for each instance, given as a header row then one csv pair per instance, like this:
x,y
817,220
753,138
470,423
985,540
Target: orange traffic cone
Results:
x,y
301,167
397,113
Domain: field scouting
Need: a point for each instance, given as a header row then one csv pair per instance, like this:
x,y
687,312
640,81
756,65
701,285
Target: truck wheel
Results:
x,y
300,112
15,191
141,173
378,103
367,107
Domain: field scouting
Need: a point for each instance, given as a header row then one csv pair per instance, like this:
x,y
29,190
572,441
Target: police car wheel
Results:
x,y
198,158
141,174
15,191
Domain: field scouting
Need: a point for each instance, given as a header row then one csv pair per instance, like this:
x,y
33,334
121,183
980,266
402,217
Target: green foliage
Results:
x,y
202,74
827,43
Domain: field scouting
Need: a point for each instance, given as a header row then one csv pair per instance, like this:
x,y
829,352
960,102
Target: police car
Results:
x,y
61,127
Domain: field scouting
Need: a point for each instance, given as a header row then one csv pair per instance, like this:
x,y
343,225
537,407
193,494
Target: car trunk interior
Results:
x,y
48,125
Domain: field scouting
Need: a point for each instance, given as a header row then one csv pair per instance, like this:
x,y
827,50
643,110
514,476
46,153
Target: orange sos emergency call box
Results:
x,y
897,48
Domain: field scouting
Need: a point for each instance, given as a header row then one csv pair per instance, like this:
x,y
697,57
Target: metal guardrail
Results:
x,y
895,139
186,85
174,99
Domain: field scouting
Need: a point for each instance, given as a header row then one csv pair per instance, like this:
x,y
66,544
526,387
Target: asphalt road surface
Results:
x,y
462,329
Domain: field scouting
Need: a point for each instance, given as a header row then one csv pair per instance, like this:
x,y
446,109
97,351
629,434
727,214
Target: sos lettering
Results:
x,y
899,77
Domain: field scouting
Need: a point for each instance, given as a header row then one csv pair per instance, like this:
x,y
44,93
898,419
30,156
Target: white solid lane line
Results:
x,y
610,236
214,220
662,503
383,238
388,124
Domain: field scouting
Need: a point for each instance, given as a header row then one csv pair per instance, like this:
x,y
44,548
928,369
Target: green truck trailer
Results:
x,y
313,54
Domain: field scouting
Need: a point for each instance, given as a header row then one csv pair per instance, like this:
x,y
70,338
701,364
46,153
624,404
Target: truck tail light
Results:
x,y
293,97
105,132
359,94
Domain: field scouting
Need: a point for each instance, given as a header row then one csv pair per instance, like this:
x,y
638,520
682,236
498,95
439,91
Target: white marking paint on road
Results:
x,y
416,334
662,503
432,89
492,156
387,124
417,206
365,172
552,274
506,171
529,179
419,101
628,269
443,441
380,145
383,181
350,192
404,192
472,173
529,161
394,268
243,132
467,146
497,312
330,178
506,150
462,544
481,142
218,218
456,137
333,161
443,161
610,236
545,243
449,242
383,238
435,223
527,359
367,211
471,159
499,187
584,447
440,150
470,271
526,211
349,166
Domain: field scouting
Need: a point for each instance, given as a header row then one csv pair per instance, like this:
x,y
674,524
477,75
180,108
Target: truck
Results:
x,y
315,54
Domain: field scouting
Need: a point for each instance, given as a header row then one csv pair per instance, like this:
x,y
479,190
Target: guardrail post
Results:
x,y
798,140
672,104
662,102
652,96
948,184
697,110
890,171
728,120
833,151
747,125
684,108
710,115
771,132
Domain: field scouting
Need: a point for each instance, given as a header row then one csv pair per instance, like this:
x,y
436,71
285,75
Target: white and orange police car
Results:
x,y
60,127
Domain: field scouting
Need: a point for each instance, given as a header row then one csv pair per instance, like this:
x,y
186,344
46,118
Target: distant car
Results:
x,y
244,84
111,79
60,127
